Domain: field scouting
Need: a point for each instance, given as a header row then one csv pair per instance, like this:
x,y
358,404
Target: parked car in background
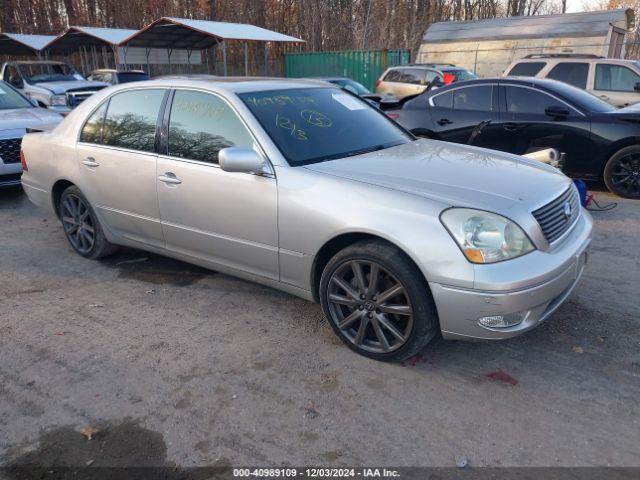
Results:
x,y
613,80
116,77
360,90
399,239
17,114
54,85
522,115
408,80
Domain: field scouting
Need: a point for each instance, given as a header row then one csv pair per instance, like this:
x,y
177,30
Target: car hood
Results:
x,y
455,175
23,118
63,87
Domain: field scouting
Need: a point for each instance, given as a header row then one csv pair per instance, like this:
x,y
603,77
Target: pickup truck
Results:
x,y
53,85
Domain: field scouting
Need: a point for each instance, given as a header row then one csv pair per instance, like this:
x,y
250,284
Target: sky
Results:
x,y
578,5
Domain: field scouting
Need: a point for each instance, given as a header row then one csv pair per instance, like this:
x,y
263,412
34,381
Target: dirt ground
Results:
x,y
172,364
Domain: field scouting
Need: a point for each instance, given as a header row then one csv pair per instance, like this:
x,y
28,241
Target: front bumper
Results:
x,y
10,174
534,285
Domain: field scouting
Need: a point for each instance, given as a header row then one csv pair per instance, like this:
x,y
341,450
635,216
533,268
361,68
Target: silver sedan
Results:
x,y
306,188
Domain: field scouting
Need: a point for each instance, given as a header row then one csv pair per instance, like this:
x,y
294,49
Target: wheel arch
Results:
x,y
340,242
56,193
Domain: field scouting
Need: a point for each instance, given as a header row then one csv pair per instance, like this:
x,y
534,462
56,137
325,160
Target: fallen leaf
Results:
x,y
577,350
58,334
89,431
503,377
89,462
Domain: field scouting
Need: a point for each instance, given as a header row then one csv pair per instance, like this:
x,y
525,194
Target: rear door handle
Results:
x,y
444,121
170,178
512,127
90,162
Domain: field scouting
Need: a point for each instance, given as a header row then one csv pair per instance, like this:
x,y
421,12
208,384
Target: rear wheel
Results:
x,y
81,225
377,301
622,172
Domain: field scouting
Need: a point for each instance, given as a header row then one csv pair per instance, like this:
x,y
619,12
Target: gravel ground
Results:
x,y
173,364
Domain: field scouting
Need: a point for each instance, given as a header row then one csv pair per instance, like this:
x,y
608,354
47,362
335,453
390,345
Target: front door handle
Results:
x,y
90,162
170,178
444,121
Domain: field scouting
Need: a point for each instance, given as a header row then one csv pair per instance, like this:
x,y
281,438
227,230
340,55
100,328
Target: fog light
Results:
x,y
502,321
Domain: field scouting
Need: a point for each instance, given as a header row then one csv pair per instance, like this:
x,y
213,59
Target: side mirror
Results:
x,y
636,87
435,83
246,160
557,111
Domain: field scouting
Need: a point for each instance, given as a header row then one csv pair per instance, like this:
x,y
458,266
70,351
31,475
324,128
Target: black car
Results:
x,y
519,115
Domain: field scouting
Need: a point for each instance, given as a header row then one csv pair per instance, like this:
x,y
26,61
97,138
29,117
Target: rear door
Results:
x,y
526,126
616,84
117,161
573,73
456,113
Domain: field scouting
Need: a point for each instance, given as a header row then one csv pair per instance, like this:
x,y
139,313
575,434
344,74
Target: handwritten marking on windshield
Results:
x,y
280,100
287,124
316,119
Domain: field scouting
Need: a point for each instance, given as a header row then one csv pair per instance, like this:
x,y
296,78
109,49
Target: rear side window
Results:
x,y
393,76
572,73
202,124
413,75
615,78
131,119
473,98
92,130
526,69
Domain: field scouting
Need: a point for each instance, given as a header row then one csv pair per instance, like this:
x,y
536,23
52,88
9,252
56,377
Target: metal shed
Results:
x,y
488,46
90,43
181,33
22,44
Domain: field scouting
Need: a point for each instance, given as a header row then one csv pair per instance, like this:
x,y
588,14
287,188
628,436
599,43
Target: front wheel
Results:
x,y
377,301
81,225
622,172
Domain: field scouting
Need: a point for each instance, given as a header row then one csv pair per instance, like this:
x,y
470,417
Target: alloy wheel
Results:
x,y
625,174
369,306
78,223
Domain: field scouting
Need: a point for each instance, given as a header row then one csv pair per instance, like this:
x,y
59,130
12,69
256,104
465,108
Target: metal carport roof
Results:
x,y
75,37
187,34
22,44
537,26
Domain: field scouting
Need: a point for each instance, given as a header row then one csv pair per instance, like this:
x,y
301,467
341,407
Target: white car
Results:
x,y
17,114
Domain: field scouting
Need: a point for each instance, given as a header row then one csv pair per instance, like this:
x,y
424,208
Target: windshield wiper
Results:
x,y
375,148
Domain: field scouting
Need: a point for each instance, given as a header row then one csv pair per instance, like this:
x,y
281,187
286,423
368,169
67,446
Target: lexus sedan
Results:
x,y
301,186
520,115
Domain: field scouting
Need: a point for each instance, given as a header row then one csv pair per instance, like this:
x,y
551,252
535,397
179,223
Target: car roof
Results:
x,y
542,83
113,70
233,84
27,62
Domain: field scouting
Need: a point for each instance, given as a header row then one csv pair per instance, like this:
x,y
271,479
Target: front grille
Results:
x,y
553,218
10,150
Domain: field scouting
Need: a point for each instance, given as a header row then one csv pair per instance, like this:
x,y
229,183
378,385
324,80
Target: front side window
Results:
x,y
528,101
526,69
570,72
131,119
615,78
312,125
202,124
473,98
92,130
48,72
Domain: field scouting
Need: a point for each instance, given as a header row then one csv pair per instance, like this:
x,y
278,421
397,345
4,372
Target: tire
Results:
x,y
81,225
622,172
360,316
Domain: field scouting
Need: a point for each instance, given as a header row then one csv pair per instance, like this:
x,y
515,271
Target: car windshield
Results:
x,y
312,125
582,98
48,72
351,85
126,77
9,98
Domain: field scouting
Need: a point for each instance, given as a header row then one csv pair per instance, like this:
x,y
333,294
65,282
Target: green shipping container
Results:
x,y
364,66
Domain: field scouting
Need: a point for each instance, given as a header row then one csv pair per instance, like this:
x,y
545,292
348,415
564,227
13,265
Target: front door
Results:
x,y
227,219
117,160
616,84
527,127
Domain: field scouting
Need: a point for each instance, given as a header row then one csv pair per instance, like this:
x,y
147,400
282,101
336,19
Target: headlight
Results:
x,y
485,237
59,100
